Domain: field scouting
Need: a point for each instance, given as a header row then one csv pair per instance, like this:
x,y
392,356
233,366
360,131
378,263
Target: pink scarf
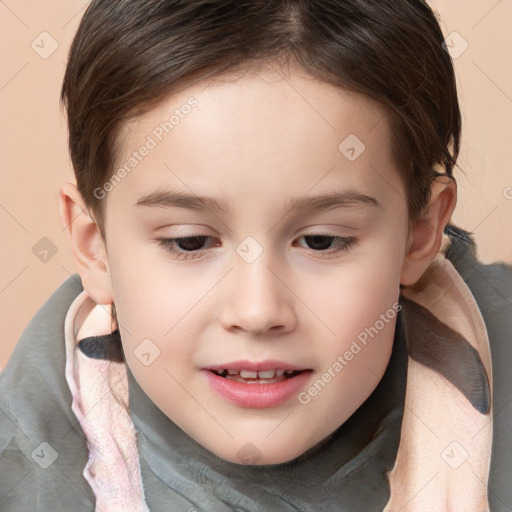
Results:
x,y
443,460
100,402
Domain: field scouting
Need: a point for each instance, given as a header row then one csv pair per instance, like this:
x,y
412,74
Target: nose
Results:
x,y
257,299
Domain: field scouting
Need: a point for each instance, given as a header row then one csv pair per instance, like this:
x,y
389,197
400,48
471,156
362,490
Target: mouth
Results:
x,y
257,385
254,377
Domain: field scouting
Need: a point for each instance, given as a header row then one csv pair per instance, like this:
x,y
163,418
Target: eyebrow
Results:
x,y
175,199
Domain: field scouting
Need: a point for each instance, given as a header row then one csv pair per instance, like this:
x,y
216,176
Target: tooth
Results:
x,y
233,372
289,371
267,374
279,373
245,374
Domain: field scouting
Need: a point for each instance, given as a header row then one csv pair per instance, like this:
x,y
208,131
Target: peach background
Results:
x,y
34,159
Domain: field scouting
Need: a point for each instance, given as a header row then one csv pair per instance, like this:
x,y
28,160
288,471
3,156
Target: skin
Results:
x,y
257,141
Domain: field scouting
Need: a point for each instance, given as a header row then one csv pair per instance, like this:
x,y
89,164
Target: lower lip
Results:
x,y
257,396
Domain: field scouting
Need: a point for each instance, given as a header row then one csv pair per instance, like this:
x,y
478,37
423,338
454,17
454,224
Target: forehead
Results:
x,y
261,129
256,99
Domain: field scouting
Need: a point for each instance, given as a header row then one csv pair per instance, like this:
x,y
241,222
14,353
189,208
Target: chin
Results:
x,y
257,453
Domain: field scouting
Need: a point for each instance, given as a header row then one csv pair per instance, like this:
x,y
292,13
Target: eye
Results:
x,y
192,247
188,244
321,242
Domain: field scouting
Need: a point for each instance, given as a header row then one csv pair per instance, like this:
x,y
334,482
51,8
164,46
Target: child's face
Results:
x,y
260,287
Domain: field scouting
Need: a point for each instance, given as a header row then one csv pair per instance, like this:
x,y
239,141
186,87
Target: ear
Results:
x,y
426,232
87,245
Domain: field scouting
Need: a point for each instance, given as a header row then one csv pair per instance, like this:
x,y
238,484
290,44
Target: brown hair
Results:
x,y
128,55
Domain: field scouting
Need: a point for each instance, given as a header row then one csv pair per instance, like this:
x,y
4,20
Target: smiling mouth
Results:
x,y
257,385
261,377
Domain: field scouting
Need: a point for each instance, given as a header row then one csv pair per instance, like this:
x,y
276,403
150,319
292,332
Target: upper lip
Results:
x,y
255,366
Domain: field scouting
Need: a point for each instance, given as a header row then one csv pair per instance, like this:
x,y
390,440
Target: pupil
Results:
x,y
184,242
316,238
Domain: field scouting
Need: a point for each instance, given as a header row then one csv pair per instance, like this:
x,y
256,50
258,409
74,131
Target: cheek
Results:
x,y
358,308
353,294
151,291
155,302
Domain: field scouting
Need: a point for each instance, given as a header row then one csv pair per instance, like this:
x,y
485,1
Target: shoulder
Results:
x,y
42,448
491,285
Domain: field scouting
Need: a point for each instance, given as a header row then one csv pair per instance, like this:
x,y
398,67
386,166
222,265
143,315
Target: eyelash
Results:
x,y
169,244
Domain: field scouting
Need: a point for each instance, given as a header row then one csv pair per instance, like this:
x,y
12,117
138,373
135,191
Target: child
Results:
x,y
328,344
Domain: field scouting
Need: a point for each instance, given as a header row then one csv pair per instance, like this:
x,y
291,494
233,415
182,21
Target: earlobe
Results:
x,y
87,246
426,235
